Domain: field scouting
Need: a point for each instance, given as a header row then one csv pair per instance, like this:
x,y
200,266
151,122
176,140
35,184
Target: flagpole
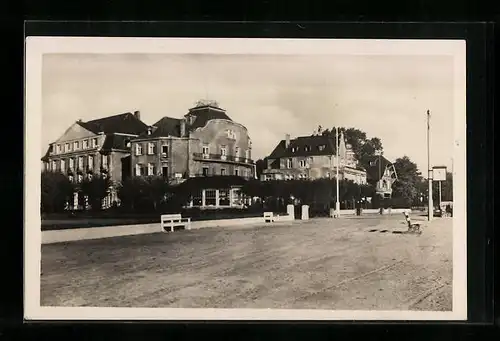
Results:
x,y
337,202
430,206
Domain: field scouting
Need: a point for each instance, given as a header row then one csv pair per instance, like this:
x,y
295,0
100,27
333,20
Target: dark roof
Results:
x,y
204,114
167,126
375,171
216,181
113,141
300,144
126,123
47,154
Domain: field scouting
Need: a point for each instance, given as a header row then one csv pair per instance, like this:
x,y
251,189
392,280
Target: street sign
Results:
x,y
439,173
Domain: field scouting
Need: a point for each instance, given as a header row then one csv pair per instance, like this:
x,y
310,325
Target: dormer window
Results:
x,y
66,147
294,149
307,148
127,143
230,134
76,145
321,147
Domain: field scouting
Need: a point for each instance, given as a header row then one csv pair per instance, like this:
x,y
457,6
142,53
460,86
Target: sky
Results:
x,y
387,96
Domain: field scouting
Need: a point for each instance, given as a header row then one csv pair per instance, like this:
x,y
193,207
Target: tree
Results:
x,y
157,189
260,165
96,189
131,192
362,147
409,180
57,191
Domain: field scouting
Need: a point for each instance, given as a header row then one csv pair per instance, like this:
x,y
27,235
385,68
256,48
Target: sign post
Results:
x,y
439,175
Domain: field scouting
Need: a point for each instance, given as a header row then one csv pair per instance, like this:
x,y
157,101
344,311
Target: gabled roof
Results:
x,y
377,166
203,114
167,126
299,144
126,123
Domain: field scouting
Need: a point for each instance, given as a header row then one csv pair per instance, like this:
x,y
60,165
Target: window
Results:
x,y
205,151
94,142
85,144
164,150
138,149
247,154
321,147
223,171
66,147
302,163
289,163
54,166
58,148
294,149
76,145
210,197
71,163
223,152
90,162
307,148
80,162
89,176
104,161
151,169
138,170
224,197
151,148
71,178
80,178
63,165
236,151
236,171
164,171
205,171
230,134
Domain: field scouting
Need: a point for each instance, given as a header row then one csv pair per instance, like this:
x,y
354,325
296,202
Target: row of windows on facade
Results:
x,y
305,163
79,177
151,170
75,145
61,164
308,148
164,150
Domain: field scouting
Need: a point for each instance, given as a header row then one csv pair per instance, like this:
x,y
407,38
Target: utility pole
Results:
x,y
430,207
337,202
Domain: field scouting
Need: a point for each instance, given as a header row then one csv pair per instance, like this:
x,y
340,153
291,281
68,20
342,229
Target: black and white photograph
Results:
x,y
245,179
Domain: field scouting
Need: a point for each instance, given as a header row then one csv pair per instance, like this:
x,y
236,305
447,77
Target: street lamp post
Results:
x,y
430,208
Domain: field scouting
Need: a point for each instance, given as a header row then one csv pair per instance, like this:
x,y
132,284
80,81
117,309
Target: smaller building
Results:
x,y
215,192
312,157
382,175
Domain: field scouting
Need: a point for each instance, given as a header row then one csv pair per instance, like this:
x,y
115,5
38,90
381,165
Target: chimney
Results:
x,y
137,114
183,127
287,140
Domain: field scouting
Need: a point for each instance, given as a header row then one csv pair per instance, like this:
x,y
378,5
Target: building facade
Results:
x,y
312,157
98,147
205,142
382,175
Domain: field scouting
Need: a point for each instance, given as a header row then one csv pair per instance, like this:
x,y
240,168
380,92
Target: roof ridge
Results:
x,y
111,116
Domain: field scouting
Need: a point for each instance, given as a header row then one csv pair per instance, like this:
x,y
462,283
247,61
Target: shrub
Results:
x,y
57,191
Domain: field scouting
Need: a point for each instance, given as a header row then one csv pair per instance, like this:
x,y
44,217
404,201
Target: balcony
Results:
x,y
222,158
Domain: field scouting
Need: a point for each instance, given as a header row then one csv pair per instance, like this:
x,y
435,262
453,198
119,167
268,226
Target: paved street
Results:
x,y
322,263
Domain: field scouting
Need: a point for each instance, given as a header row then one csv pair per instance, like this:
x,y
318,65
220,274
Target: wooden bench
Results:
x,y
268,217
170,221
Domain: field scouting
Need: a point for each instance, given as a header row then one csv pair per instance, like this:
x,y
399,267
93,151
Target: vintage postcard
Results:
x,y
245,179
